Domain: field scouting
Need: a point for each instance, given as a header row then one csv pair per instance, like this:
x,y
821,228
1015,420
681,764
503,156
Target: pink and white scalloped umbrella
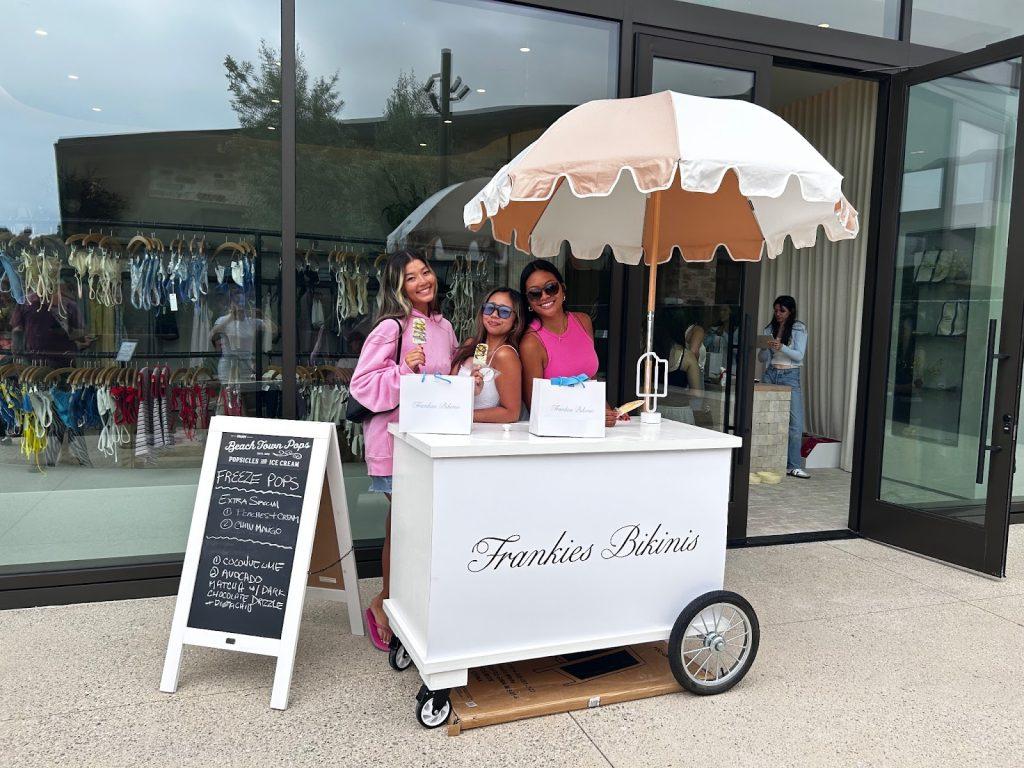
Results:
x,y
656,174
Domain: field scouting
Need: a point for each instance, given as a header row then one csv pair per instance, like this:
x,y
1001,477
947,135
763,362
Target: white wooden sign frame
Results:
x,y
325,457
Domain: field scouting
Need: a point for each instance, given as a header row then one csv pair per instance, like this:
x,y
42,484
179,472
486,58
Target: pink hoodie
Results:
x,y
375,382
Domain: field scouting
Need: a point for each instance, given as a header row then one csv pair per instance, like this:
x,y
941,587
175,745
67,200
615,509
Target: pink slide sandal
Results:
x,y
371,624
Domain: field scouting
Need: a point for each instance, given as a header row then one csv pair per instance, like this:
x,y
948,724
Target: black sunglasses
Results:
x,y
490,308
550,289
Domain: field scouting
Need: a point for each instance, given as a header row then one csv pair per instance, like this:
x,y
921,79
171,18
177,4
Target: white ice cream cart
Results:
x,y
506,546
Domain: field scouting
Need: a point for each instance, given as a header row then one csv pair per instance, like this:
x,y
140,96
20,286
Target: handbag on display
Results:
x,y
436,404
355,411
567,407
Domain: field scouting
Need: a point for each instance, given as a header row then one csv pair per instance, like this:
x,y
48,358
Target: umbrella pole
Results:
x,y
652,294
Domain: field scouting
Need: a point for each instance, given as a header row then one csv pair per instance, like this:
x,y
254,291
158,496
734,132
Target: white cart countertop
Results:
x,y
516,440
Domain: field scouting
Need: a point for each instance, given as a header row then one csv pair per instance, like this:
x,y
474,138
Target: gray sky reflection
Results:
x,y
156,66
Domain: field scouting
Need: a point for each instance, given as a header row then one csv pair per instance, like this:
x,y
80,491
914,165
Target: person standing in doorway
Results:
x,y
783,357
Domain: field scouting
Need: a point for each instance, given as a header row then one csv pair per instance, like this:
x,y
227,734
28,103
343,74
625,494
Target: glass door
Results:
x,y
945,375
705,312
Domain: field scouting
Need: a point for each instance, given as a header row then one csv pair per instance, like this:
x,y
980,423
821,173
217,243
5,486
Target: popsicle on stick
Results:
x,y
480,355
419,331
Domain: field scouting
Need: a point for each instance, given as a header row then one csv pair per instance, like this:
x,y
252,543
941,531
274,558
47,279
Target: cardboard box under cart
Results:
x,y
508,546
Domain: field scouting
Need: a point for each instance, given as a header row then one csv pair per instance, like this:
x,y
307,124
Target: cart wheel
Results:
x,y
398,657
713,643
433,710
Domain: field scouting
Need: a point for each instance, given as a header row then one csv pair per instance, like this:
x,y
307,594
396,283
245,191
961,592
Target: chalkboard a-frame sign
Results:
x,y
247,562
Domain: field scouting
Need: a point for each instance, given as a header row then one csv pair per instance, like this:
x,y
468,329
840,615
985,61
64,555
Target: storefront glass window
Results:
x,y
948,301
384,163
959,26
869,17
139,250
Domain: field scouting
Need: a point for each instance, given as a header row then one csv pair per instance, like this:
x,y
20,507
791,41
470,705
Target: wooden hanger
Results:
x,y
52,376
138,240
110,243
229,246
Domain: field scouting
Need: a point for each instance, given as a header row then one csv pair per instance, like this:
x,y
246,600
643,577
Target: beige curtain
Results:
x,y
828,279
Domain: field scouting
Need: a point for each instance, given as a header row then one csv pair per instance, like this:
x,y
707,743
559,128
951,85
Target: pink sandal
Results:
x,y
371,624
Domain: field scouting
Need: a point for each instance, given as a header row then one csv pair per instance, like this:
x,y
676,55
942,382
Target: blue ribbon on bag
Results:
x,y
436,376
569,381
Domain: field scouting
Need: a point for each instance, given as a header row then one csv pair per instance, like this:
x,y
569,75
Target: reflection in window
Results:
x,y
949,280
139,251
394,140
959,26
869,17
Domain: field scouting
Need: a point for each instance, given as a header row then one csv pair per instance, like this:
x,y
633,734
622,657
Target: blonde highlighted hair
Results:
x,y
391,298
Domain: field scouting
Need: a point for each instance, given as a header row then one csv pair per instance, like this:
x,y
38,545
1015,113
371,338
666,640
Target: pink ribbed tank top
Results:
x,y
570,354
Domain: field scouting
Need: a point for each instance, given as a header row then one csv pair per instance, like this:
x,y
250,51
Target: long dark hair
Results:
x,y
537,265
786,302
393,303
480,334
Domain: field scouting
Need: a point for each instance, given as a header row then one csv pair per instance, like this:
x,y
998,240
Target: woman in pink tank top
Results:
x,y
558,342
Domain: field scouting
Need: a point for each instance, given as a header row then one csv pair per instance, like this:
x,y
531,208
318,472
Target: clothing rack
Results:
x,y
219,230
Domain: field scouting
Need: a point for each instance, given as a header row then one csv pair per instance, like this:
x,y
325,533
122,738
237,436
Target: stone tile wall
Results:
x,y
770,429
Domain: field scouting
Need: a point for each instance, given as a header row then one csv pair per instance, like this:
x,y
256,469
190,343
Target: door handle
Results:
x,y
991,356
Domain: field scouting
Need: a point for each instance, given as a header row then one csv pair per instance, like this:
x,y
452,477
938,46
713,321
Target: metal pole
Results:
x,y
289,333
446,111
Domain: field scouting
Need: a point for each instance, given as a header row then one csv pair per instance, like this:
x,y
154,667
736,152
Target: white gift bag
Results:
x,y
561,411
441,405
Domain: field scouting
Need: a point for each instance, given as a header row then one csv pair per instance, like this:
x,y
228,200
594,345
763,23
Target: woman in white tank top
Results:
x,y
493,351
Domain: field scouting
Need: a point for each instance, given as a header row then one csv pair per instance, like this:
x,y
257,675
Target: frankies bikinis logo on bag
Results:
x,y
496,553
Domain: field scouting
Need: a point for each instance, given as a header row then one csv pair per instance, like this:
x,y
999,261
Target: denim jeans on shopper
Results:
x,y
790,377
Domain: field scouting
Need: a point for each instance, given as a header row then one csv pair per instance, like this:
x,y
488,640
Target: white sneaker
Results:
x,y
798,473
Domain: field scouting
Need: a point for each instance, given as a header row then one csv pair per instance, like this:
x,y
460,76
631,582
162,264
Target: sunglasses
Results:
x,y
550,289
490,308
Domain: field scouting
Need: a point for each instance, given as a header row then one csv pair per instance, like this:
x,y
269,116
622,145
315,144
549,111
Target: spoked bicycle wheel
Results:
x,y
713,643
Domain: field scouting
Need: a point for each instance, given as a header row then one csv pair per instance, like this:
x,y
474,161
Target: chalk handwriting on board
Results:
x,y
252,524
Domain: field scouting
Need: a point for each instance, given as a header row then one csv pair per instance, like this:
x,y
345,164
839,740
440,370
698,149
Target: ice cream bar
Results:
x,y
419,331
480,355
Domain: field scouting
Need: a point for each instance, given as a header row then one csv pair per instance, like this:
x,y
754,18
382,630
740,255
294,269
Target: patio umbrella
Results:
x,y
657,174
437,222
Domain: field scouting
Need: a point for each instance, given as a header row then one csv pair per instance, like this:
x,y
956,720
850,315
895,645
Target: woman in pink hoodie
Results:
x,y
408,292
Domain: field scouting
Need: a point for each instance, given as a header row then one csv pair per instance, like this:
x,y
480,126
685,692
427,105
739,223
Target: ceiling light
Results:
x,y
72,77
422,144
524,50
42,32
447,122
97,109
481,90
917,152
824,25
271,128
275,101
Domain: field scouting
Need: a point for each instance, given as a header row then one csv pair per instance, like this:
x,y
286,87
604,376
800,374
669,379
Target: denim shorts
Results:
x,y
380,483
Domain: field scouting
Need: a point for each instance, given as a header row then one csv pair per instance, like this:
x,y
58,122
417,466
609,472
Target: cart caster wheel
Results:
x,y
713,643
433,710
398,657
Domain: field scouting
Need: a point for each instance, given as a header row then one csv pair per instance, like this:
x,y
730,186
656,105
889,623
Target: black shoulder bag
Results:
x,y
355,411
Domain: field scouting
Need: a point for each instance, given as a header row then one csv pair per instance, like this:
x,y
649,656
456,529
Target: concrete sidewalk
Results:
x,y
869,657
